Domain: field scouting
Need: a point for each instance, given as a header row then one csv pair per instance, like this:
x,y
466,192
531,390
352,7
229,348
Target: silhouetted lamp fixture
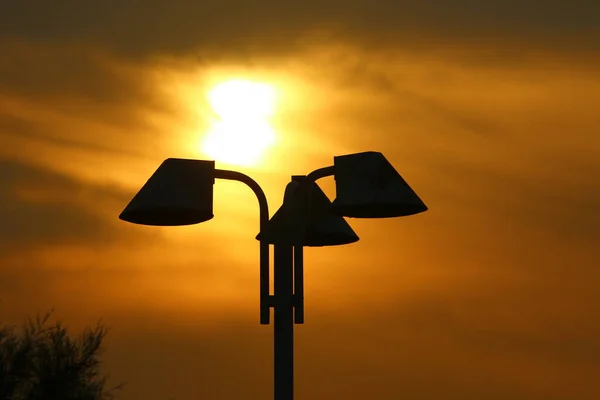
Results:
x,y
180,192
305,219
367,186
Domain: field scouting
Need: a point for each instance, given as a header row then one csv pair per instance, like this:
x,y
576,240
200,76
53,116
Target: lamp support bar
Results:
x,y
298,272
265,298
298,284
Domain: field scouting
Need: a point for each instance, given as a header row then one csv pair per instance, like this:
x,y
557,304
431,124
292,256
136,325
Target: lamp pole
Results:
x,y
289,290
284,322
180,192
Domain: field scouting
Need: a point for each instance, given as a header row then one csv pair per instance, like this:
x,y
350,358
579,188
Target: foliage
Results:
x,y
43,362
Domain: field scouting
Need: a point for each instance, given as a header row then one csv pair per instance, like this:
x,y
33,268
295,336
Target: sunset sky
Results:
x,y
489,110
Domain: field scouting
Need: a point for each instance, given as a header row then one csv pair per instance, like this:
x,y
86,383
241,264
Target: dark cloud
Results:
x,y
138,27
41,207
404,97
560,200
77,80
77,99
56,70
478,321
27,128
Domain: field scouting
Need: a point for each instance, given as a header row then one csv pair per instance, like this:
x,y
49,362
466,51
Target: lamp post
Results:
x,y
180,192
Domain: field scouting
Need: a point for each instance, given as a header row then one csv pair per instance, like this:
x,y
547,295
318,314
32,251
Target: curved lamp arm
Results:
x,y
320,173
265,306
306,180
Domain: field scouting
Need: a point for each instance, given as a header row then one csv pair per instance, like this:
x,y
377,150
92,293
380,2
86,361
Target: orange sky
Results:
x,y
489,113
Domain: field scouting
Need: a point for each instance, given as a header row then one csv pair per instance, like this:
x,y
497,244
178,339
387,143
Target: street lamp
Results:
x,y
180,192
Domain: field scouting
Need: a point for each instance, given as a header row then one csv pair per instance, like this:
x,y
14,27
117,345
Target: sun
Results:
x,y
240,130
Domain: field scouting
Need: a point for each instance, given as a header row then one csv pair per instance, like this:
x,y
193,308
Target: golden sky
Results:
x,y
488,110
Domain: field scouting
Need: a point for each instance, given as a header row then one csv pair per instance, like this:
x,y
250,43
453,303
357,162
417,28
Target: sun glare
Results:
x,y
240,131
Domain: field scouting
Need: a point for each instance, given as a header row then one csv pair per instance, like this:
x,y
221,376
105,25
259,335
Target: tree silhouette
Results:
x,y
43,362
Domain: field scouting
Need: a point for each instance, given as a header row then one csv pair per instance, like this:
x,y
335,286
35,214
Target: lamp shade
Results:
x,y
305,219
368,186
180,192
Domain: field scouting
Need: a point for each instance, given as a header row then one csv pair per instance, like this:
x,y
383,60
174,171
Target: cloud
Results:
x,y
78,80
135,28
549,197
53,70
38,131
479,320
40,208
